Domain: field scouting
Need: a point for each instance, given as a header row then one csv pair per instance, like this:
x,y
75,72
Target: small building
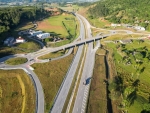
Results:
x,y
115,25
43,35
20,40
9,41
125,41
34,33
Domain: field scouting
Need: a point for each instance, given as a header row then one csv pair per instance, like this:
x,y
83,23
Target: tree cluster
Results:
x,y
12,17
123,11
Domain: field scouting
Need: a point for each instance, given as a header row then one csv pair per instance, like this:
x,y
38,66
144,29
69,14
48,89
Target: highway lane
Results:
x,y
39,91
83,90
64,89
82,94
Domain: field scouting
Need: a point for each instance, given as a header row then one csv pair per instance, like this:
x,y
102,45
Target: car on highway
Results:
x,y
84,83
31,59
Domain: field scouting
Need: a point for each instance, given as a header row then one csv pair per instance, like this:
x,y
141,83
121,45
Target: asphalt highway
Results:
x,y
84,85
64,89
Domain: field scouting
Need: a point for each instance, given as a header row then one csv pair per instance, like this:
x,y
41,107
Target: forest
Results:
x,y
123,11
11,17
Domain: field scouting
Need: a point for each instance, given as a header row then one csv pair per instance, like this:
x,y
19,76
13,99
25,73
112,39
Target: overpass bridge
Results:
x,y
67,46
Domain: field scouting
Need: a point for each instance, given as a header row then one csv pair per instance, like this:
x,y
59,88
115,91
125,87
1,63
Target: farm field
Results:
x,y
52,77
54,25
132,75
17,94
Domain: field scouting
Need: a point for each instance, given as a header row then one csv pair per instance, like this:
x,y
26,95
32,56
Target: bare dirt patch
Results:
x,y
45,25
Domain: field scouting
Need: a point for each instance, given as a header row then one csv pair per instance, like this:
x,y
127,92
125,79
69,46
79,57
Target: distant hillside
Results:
x,y
123,11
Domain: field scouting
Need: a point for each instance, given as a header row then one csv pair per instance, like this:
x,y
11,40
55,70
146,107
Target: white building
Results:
x,y
20,40
34,33
43,35
139,28
115,25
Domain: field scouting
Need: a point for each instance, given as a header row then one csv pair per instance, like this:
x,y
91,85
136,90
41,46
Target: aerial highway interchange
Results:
x,y
85,37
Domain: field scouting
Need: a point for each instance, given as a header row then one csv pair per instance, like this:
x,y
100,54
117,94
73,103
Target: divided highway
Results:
x,y
64,89
84,85
83,90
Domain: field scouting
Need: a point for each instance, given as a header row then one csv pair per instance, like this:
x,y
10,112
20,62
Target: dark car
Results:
x,y
31,59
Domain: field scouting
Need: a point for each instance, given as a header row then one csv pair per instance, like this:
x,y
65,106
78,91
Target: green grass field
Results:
x,y
17,94
16,61
98,23
29,46
55,26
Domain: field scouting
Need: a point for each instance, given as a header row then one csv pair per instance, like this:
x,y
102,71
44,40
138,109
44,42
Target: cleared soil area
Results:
x,y
17,94
46,25
51,75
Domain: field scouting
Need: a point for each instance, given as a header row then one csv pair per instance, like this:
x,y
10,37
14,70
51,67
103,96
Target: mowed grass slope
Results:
x,y
51,75
29,46
16,61
17,94
53,55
